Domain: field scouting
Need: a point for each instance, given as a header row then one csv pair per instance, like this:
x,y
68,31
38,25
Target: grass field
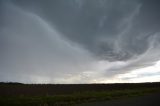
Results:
x,y
17,94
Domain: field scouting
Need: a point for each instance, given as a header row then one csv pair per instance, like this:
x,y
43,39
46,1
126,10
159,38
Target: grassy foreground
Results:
x,y
8,98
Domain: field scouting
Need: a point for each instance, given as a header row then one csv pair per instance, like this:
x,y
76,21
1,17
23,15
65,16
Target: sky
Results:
x,y
79,41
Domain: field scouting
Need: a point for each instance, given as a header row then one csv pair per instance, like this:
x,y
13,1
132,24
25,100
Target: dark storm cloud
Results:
x,y
97,25
61,35
32,48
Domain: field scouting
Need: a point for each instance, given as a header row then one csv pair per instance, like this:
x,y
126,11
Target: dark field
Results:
x,y
17,94
144,100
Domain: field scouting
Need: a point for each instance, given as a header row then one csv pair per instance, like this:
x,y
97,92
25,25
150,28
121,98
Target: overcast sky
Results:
x,y
79,41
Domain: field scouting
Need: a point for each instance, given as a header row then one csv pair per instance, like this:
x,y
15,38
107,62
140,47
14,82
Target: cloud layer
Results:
x,y
78,41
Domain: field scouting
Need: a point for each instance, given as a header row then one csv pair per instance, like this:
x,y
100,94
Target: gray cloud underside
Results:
x,y
64,39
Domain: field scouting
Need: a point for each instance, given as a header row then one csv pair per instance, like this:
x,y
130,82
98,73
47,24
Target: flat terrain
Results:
x,y
146,100
17,94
